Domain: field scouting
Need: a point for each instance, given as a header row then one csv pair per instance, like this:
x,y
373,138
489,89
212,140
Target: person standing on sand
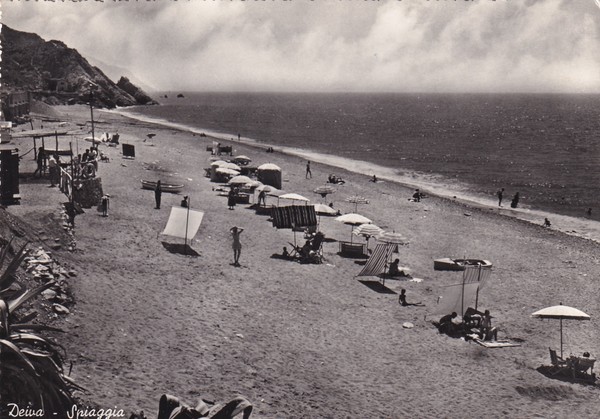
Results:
x,y
499,194
308,172
231,198
237,245
157,194
105,201
515,201
589,212
40,162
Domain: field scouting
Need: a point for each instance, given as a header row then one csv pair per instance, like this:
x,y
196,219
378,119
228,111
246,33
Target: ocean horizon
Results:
x,y
544,146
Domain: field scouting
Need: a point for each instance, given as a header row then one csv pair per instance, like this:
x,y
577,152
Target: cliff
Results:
x,y
56,74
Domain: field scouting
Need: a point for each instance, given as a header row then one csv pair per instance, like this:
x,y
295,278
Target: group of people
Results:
x,y
335,179
51,162
474,322
515,201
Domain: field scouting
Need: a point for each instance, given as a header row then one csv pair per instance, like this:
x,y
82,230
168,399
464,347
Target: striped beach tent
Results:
x,y
378,261
458,297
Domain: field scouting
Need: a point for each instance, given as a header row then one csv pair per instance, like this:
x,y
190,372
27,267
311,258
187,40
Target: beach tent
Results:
x,y
378,261
269,174
183,223
128,150
458,297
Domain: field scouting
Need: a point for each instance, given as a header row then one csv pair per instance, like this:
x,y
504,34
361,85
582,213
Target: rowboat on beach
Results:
x,y
164,187
448,264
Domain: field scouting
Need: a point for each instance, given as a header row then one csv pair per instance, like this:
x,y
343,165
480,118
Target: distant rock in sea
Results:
x,y
180,95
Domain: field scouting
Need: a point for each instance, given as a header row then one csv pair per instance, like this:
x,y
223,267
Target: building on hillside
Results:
x,y
15,105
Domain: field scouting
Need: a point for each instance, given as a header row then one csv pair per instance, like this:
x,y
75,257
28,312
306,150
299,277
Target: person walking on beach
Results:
x,y
158,194
231,198
515,201
105,202
237,245
262,197
308,172
589,212
500,193
40,162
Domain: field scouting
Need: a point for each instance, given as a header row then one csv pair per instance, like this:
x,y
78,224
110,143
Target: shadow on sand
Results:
x,y
181,249
378,287
566,374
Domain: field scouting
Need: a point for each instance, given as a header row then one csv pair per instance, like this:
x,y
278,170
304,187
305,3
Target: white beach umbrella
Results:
x,y
218,162
353,220
269,166
561,313
242,158
240,180
323,209
270,190
294,197
225,171
228,165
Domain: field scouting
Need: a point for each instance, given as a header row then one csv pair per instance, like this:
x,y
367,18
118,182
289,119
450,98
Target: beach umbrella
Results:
x,y
353,220
240,180
228,165
270,190
242,159
292,197
355,199
229,172
561,313
391,237
324,190
367,231
323,209
268,166
218,162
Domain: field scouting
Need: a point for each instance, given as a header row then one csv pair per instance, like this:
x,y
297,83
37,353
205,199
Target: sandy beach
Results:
x,y
305,340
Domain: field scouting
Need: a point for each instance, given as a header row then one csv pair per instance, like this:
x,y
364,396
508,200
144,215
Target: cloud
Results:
x,y
409,45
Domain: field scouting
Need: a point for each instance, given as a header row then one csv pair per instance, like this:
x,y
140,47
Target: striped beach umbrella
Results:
x,y
392,238
367,231
355,199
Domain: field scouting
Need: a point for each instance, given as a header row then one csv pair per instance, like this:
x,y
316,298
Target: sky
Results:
x,y
331,45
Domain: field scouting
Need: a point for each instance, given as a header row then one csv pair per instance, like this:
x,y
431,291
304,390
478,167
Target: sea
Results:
x,y
546,147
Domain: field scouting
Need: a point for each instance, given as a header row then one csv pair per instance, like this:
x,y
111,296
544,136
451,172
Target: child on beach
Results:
x,y
402,300
500,193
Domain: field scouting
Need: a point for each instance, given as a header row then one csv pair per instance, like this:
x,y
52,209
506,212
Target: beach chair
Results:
x,y
353,250
556,360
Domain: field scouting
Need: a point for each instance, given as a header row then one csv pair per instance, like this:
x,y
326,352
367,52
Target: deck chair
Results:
x,y
556,360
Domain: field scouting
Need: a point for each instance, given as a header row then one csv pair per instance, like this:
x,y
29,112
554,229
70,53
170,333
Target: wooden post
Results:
x,y
34,149
56,140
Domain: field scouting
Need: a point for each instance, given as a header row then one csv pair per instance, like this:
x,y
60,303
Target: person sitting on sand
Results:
x,y
374,179
547,222
472,317
486,331
446,324
402,300
285,253
417,196
394,270
184,202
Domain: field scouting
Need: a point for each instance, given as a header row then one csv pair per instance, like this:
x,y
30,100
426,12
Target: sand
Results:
x,y
305,340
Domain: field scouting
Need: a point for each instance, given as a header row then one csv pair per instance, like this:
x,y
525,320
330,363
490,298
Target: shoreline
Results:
x,y
574,226
306,340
